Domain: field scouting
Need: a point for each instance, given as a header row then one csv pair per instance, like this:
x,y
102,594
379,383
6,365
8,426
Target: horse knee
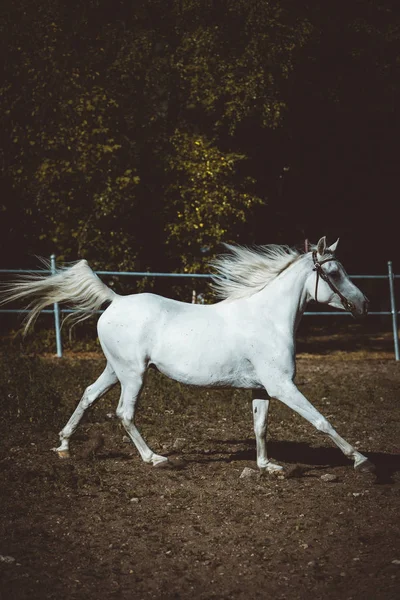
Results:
x,y
323,425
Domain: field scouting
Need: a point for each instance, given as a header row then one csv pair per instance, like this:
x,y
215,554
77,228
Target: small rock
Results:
x,y
396,561
179,443
330,477
247,472
135,500
125,439
7,559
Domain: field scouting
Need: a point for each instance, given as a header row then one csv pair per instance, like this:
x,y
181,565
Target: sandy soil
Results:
x,y
105,525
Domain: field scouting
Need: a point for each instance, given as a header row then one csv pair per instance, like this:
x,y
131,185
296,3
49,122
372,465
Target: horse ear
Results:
x,y
321,246
333,247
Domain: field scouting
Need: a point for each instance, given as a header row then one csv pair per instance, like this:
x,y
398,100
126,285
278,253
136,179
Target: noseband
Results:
x,y
321,273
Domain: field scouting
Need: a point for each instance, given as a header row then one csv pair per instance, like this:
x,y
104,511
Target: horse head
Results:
x,y
330,284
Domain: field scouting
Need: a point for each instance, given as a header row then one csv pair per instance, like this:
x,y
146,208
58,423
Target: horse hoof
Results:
x,y
365,467
162,463
62,453
271,469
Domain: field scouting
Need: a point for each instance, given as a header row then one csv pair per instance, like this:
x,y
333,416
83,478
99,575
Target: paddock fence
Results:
x,y
390,277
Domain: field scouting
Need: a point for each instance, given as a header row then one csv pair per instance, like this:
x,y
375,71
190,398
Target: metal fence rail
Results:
x,y
57,311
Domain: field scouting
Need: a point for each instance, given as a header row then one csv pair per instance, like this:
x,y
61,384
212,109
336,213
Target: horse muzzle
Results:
x,y
360,312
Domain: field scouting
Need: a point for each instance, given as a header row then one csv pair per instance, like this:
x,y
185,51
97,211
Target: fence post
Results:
x,y
56,311
393,311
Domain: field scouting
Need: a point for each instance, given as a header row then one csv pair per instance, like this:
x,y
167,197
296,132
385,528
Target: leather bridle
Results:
x,y
321,273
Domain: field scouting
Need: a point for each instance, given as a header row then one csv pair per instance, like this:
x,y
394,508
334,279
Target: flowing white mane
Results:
x,y
246,271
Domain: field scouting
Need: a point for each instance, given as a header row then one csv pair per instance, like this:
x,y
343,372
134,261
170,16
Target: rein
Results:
x,y
321,273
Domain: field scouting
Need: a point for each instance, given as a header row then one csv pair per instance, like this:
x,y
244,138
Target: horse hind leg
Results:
x,y
101,386
130,392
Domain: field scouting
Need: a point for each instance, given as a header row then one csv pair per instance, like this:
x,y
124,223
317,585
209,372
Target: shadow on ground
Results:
x,y
386,464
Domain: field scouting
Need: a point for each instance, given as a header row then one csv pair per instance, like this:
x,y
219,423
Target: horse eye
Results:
x,y
334,274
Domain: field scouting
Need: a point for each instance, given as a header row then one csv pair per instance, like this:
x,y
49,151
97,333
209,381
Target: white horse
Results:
x,y
247,340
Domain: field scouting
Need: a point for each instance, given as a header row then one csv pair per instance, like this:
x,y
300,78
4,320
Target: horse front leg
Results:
x,y
293,398
260,417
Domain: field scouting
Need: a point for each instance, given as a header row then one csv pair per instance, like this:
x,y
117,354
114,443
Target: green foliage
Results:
x,y
66,148
136,134
99,122
207,204
231,63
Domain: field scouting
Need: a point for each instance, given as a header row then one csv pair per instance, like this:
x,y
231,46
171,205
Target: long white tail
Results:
x,y
77,284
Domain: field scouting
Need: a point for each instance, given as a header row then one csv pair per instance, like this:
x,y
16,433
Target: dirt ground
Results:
x,y
105,525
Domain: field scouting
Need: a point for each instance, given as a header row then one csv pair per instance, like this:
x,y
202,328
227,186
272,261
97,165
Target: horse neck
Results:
x,y
286,296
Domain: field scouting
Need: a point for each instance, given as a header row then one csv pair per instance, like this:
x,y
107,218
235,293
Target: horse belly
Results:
x,y
207,365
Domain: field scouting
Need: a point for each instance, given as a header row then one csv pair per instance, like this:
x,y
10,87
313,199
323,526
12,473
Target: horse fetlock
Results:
x,y
63,449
